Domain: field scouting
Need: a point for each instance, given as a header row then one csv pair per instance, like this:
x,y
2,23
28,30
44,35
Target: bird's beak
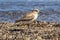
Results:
x,y
40,12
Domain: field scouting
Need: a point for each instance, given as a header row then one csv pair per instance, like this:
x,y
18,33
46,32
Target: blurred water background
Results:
x,y
10,10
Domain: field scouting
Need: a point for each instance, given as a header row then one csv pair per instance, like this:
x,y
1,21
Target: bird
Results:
x,y
29,16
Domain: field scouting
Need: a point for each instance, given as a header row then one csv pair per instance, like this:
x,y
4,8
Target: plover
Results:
x,y
30,16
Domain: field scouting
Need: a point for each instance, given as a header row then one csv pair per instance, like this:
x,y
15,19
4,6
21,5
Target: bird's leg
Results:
x,y
29,27
34,21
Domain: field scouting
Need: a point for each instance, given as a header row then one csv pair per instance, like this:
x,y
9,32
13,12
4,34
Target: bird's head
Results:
x,y
36,10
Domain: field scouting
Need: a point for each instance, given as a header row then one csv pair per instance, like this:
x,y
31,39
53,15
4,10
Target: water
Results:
x,y
23,5
18,5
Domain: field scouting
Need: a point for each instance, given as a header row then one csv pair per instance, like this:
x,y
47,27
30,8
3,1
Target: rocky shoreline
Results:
x,y
34,31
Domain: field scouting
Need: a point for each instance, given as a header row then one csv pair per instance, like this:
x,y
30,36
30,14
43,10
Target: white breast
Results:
x,y
36,15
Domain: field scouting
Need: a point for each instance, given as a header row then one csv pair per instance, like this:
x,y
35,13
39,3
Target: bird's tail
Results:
x,y
17,21
23,20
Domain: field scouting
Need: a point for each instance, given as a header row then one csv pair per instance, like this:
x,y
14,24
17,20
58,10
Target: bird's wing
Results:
x,y
26,18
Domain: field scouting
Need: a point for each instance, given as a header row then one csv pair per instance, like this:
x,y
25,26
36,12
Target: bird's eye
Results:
x,y
36,10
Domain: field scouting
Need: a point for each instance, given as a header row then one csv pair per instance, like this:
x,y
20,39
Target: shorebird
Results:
x,y
29,16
